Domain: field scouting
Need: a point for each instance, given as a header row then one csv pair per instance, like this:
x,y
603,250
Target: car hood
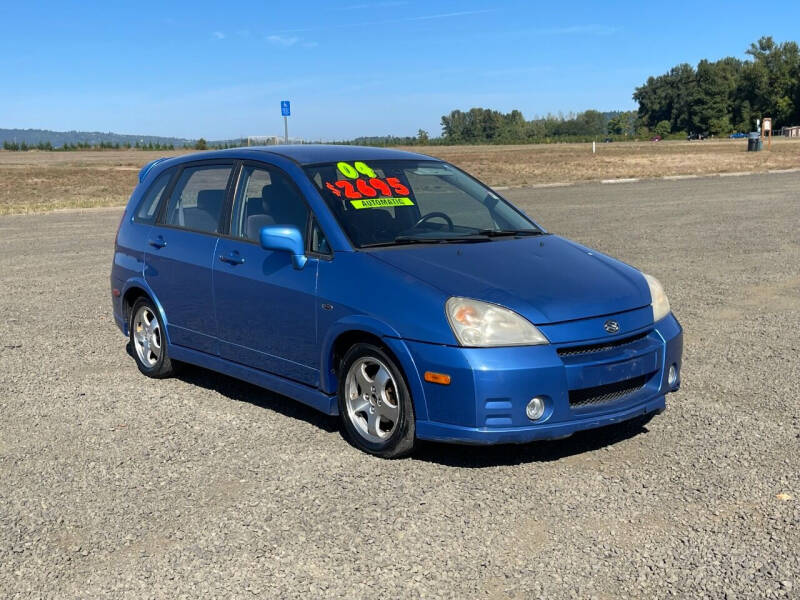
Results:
x,y
547,279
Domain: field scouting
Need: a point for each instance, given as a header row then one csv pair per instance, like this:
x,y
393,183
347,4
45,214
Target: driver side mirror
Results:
x,y
282,238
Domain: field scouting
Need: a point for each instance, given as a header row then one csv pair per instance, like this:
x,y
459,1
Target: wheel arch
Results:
x,y
137,288
344,334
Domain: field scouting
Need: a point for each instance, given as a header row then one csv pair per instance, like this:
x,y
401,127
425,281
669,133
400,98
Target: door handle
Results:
x,y
159,242
232,258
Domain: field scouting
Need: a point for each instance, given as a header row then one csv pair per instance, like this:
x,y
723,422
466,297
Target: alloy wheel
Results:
x,y
372,399
147,336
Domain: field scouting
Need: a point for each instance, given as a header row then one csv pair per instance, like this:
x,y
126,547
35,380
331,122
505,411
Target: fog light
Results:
x,y
672,377
535,408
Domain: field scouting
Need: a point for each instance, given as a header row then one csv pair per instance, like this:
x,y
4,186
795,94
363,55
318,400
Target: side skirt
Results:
x,y
297,391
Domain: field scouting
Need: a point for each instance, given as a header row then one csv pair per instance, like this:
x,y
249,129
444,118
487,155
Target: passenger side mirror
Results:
x,y
284,239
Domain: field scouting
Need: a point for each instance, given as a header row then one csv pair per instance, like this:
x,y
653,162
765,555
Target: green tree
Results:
x,y
775,80
720,126
422,136
719,96
715,96
662,128
453,126
623,123
201,144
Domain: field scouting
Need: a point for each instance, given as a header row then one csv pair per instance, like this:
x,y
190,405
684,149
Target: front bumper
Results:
x,y
586,384
442,432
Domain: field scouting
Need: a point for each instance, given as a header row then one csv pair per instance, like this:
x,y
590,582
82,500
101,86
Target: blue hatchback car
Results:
x,y
389,288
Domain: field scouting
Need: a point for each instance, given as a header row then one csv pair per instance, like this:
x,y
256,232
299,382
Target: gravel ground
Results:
x,y
114,485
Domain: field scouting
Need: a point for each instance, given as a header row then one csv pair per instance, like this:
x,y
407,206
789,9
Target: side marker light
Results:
x,y
439,378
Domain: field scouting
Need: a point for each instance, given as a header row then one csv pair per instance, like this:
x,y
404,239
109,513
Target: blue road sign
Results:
x,y
285,108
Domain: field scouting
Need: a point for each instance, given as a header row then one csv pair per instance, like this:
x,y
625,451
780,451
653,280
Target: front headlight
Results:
x,y
658,299
482,324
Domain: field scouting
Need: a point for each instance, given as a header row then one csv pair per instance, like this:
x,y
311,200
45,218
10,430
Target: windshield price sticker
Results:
x,y
381,202
355,170
363,182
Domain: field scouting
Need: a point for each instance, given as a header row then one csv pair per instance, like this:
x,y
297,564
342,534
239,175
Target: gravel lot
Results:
x,y
114,485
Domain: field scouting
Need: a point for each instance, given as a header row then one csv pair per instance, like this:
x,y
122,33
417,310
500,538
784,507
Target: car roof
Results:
x,y
307,154
303,154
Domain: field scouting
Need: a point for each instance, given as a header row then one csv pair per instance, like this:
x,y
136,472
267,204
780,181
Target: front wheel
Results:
x,y
374,403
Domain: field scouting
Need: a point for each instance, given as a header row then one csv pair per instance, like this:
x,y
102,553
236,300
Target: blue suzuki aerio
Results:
x,y
389,288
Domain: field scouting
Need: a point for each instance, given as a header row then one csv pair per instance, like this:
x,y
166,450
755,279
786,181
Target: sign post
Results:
x,y
767,125
285,111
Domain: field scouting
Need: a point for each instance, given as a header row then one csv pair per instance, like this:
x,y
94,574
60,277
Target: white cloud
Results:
x,y
218,35
283,40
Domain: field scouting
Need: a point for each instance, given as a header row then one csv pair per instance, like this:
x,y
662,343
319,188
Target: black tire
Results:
x,y
163,366
401,441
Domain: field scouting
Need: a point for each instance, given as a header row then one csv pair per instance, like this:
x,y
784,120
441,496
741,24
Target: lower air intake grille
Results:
x,y
603,394
591,348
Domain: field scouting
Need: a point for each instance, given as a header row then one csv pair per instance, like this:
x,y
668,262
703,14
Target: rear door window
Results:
x,y
197,201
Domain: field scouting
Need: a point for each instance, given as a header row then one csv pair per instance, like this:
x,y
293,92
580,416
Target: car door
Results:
x,y
181,250
266,309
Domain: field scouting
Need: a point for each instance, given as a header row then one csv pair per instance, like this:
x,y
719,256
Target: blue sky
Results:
x,y
350,67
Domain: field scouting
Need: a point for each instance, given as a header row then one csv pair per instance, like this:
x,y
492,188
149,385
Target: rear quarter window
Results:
x,y
147,210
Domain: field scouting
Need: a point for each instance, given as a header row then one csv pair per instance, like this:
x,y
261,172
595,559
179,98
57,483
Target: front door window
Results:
x,y
266,197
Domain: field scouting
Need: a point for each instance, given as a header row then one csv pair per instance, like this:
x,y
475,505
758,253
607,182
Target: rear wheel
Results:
x,y
148,341
374,402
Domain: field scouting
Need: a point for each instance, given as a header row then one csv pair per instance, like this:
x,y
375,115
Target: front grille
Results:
x,y
600,347
603,394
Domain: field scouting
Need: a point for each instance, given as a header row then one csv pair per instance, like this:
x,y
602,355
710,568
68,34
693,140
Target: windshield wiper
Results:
x,y
402,240
507,232
409,239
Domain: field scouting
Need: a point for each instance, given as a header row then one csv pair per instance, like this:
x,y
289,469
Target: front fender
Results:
x,y
390,337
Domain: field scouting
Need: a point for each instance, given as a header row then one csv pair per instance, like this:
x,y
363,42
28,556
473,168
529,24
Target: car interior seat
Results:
x,y
283,203
209,208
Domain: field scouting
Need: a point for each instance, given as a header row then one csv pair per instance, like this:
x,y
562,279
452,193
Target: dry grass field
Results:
x,y
551,163
44,181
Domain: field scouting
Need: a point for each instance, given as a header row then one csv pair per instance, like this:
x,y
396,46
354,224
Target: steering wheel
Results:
x,y
432,215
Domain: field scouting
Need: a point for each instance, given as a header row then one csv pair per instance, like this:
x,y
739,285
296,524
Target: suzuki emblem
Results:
x,y
611,326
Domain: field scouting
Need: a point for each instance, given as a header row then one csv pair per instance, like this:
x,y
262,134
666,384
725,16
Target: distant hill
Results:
x,y
59,138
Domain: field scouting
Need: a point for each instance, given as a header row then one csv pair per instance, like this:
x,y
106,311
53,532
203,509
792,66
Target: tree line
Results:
x,y
726,95
47,146
483,125
67,147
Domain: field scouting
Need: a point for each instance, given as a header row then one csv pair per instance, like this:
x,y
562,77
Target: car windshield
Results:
x,y
394,202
